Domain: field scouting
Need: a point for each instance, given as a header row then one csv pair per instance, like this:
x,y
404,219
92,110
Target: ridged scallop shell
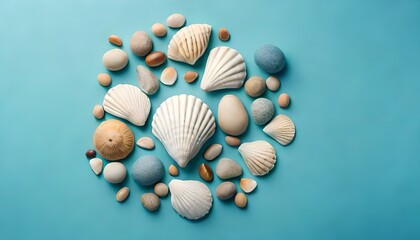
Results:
x,y
225,68
189,43
259,156
190,199
281,128
127,102
183,123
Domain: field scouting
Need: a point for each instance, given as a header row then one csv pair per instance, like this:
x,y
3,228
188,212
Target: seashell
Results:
x,y
248,184
225,68
96,164
259,156
127,102
189,43
190,199
183,123
281,128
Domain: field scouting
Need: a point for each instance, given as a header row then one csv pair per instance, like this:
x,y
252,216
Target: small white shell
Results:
x,y
259,156
96,164
127,102
190,199
281,128
189,43
225,68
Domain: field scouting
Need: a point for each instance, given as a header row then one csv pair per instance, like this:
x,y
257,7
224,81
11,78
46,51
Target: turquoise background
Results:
x,y
353,171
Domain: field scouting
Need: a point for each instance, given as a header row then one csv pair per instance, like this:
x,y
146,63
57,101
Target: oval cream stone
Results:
x,y
232,115
115,59
159,30
176,20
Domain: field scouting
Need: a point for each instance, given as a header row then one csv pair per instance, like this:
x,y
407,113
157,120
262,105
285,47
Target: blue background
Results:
x,y
353,171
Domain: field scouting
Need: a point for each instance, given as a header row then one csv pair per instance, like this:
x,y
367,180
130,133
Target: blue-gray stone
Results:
x,y
270,58
262,110
147,170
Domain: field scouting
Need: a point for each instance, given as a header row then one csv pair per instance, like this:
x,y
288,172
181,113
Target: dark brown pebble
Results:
x,y
90,153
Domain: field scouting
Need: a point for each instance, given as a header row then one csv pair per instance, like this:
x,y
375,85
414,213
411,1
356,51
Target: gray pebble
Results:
x,y
262,110
226,190
270,58
147,170
227,168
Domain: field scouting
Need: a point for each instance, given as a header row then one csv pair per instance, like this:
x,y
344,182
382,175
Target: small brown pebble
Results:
x,y
150,201
98,111
205,172
226,190
90,153
272,83
240,200
173,170
233,141
122,194
159,30
224,34
104,79
284,100
255,86
190,76
155,59
161,189
114,39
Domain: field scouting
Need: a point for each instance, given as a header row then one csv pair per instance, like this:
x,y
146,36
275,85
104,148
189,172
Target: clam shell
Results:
x,y
127,102
259,156
190,199
183,123
189,43
248,184
225,68
281,128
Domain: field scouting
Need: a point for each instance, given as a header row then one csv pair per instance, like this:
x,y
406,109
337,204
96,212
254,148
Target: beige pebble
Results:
x,y
205,172
122,194
190,76
115,59
173,170
158,29
272,83
175,20
241,200
233,141
169,76
255,86
232,115
224,34
146,143
150,201
104,79
284,100
155,59
98,111
226,190
141,43
248,184
114,39
161,190
213,151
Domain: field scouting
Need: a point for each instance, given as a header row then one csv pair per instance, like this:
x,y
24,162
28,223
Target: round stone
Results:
x,y
147,170
104,79
232,115
161,189
159,30
284,100
270,58
115,59
150,201
115,172
141,43
255,86
262,110
226,190
176,20
272,83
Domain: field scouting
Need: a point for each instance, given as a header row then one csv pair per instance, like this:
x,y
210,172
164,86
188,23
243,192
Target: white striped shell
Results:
x,y
259,156
183,123
190,199
225,68
189,43
127,102
281,128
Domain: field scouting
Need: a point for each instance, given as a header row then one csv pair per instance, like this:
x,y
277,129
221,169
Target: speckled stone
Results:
x,y
270,58
150,201
255,86
262,110
141,43
147,170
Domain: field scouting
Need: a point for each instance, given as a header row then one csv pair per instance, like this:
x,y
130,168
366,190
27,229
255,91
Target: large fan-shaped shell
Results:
x,y
183,124
281,128
190,199
127,102
259,156
189,43
225,68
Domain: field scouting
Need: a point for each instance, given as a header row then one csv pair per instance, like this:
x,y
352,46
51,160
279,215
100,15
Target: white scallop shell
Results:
x,y
281,128
225,68
190,199
127,102
183,123
189,43
259,156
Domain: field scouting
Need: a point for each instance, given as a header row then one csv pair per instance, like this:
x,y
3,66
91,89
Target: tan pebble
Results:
x,y
175,20
159,30
114,39
122,194
240,200
169,76
233,141
224,34
104,79
190,76
213,152
161,190
232,115
173,170
205,172
115,59
255,86
155,59
150,201
248,184
98,111
146,143
272,83
284,100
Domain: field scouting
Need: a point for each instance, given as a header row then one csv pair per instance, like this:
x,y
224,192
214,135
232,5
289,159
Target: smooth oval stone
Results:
x,y
232,116
205,172
173,170
175,20
190,76
98,111
232,141
155,59
272,83
114,39
213,152
122,194
150,201
270,58
262,110
226,190
147,170
104,79
284,100
147,80
224,34
227,168
161,189
115,59
115,172
241,200
255,86
141,43
158,29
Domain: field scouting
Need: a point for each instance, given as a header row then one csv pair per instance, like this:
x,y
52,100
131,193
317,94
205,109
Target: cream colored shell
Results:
x,y
259,156
281,128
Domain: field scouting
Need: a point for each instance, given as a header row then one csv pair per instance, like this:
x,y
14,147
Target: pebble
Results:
x,y
104,79
146,143
270,58
241,200
150,201
122,194
147,80
141,44
96,164
114,39
147,170
173,170
262,110
255,86
176,20
158,29
248,184
232,116
90,153
115,172
226,190
115,59
155,59
168,76
98,111
213,151
227,168
205,172
284,100
272,83
161,190
190,76
232,141
224,34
